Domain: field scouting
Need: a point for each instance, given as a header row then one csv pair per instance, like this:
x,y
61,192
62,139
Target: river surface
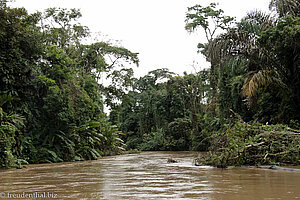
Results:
x,y
147,176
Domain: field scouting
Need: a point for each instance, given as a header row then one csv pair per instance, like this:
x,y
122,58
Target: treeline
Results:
x,y
167,112
51,104
254,79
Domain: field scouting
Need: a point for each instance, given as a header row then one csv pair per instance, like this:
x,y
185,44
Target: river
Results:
x,y
147,175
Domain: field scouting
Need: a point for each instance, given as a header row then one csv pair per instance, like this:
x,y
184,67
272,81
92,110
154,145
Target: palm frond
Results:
x,y
256,80
285,7
256,21
241,40
17,120
234,42
4,98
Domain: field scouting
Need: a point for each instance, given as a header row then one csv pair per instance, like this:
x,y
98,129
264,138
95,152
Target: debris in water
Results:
x,y
172,160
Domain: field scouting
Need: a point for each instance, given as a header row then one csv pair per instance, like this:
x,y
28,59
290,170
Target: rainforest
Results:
x,y
56,88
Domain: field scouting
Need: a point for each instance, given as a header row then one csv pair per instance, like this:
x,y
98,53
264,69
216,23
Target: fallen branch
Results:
x,y
265,157
254,145
281,132
280,153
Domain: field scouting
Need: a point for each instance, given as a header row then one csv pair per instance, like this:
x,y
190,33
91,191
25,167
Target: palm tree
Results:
x,y
241,42
285,7
271,48
268,45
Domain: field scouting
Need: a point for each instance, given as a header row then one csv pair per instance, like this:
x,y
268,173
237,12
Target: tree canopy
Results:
x,y
52,101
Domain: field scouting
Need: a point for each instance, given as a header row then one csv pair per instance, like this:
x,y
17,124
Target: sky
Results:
x,y
152,28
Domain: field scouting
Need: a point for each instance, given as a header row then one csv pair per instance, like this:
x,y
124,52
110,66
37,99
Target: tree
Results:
x,y
20,49
193,90
44,64
211,20
285,7
281,44
60,28
99,59
199,16
265,67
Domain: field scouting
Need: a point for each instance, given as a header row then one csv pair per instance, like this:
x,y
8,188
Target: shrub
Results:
x,y
255,144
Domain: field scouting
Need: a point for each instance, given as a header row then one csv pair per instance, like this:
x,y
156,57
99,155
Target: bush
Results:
x,y
255,144
178,134
153,141
7,142
9,127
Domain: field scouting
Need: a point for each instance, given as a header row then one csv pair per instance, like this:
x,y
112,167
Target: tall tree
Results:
x,y
265,66
212,21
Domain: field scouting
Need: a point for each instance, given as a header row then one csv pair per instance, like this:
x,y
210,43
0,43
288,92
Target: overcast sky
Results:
x,y
153,28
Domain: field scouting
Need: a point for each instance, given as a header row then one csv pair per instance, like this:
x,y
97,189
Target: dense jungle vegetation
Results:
x,y
244,109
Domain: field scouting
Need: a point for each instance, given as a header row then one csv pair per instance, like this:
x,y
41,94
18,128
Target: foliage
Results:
x,y
203,16
52,95
10,126
261,51
285,7
45,65
154,141
161,112
259,58
178,134
212,21
255,144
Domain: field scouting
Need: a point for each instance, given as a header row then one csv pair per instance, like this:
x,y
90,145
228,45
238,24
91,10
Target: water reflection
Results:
x,y
149,176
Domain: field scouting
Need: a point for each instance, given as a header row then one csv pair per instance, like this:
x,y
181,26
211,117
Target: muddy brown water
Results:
x,y
147,176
